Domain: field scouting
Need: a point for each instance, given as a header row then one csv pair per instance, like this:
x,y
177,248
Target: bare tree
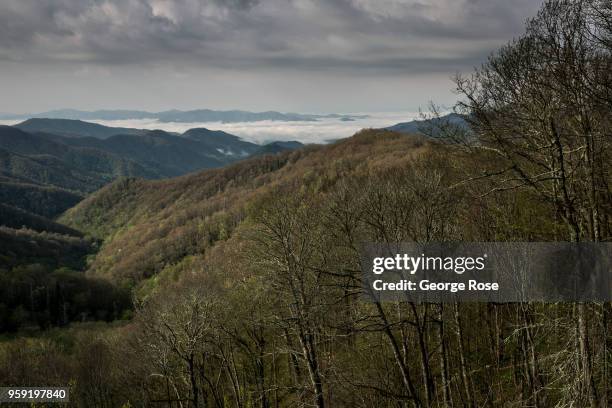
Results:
x,y
289,251
181,328
541,106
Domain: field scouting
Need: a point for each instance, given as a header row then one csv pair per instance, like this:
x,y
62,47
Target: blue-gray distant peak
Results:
x,y
74,128
419,126
191,116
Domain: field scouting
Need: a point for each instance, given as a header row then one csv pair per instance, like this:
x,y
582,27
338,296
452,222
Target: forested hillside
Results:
x,y
247,281
48,166
74,128
46,160
45,201
42,174
242,286
84,163
13,217
155,224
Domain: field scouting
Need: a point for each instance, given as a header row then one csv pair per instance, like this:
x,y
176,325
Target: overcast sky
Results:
x,y
286,55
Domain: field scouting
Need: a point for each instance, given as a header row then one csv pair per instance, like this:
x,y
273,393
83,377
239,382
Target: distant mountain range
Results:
x,y
191,116
48,165
75,128
430,126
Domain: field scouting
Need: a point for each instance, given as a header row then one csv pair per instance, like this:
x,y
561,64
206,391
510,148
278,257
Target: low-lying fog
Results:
x,y
321,131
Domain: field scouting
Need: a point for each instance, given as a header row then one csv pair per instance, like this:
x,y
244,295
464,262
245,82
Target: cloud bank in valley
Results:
x,y
320,131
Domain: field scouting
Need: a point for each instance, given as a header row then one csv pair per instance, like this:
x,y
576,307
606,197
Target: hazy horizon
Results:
x,y
320,131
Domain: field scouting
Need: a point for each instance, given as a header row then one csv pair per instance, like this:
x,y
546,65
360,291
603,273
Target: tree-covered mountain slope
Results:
x,y
148,226
166,154
17,218
48,160
86,161
74,128
46,201
432,126
223,142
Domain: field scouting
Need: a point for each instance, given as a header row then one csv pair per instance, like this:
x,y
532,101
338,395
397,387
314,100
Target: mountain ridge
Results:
x,y
175,115
431,126
32,161
180,216
73,128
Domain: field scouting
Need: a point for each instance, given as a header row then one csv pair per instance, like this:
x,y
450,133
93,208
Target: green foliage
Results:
x,y
13,217
213,260
248,280
148,225
40,284
24,246
45,201
35,295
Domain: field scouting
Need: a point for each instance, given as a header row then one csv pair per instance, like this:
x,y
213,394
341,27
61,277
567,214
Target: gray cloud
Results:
x,y
249,32
342,37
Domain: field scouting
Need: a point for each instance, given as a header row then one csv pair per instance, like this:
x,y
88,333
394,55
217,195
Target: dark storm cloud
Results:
x,y
415,36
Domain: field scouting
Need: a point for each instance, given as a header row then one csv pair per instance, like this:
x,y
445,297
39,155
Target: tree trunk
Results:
x,y
193,381
398,355
309,351
446,396
462,361
585,353
426,370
